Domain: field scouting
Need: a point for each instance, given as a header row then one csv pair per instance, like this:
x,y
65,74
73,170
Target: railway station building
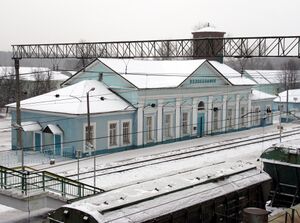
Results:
x,y
133,103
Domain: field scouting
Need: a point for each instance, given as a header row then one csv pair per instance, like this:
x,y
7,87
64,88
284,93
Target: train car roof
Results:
x,y
148,200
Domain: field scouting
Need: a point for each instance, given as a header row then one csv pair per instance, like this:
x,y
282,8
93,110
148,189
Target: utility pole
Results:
x,y
287,96
18,111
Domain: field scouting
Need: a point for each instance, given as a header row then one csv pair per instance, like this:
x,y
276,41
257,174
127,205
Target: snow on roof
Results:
x,y
257,77
268,76
208,29
30,73
153,73
294,96
231,75
198,183
259,95
73,100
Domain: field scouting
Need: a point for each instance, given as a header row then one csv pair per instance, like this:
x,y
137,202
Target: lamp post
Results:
x,y
280,127
88,141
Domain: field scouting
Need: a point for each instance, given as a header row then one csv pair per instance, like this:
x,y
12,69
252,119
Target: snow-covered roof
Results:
x,y
30,73
164,195
73,100
268,76
294,96
167,73
208,29
259,95
231,75
153,73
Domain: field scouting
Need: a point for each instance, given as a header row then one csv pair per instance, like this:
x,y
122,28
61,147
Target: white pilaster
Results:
x,y
159,120
237,111
194,116
224,113
140,120
209,113
249,112
177,118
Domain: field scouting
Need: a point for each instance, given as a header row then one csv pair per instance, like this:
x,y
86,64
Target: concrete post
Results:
x,y
194,116
209,113
224,113
177,119
140,120
159,120
237,111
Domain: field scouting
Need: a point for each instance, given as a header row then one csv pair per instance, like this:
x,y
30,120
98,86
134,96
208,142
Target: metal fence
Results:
x,y
30,182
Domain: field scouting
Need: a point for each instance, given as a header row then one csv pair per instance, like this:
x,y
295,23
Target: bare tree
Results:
x,y
42,83
288,78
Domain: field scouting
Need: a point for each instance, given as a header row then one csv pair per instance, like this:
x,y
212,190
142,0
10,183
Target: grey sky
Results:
x,y
49,21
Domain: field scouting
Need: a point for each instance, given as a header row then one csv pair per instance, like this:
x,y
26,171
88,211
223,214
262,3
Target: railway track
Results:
x,y
180,154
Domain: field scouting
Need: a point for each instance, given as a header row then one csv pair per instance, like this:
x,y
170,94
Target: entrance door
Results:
x,y
200,125
37,141
57,144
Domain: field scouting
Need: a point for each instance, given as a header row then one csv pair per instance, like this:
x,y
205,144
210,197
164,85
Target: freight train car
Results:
x,y
282,162
217,193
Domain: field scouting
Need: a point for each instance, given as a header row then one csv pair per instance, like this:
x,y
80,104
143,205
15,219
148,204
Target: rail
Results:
x,y
28,182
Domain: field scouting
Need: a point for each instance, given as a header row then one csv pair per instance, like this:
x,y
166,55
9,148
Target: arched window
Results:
x,y
201,106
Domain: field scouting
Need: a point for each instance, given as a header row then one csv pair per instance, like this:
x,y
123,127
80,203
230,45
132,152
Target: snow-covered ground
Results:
x,y
153,173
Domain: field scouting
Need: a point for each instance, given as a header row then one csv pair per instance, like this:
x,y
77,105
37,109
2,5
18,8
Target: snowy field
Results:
x,y
143,175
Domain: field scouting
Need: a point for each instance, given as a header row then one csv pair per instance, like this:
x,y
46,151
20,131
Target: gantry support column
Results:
x,y
18,112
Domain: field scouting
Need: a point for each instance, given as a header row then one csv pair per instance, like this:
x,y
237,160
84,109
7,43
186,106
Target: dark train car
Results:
x,y
217,199
282,163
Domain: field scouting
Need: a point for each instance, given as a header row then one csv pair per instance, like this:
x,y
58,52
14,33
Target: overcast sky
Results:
x,y
51,21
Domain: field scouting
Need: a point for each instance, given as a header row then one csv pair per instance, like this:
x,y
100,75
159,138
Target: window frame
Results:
x,y
129,132
170,129
109,146
187,123
151,132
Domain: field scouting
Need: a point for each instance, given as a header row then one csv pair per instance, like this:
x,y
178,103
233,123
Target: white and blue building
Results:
x,y
135,103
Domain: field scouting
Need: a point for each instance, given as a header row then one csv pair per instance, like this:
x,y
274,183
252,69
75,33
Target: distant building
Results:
x,y
269,81
135,103
293,103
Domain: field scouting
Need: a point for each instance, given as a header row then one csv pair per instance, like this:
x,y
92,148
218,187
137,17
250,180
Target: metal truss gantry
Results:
x,y
276,46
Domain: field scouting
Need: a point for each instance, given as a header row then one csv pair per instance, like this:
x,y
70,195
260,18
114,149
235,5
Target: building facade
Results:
x,y
135,103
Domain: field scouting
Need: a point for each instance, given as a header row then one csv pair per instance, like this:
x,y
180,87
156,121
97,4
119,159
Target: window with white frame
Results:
x,y
185,123
149,129
126,133
89,135
168,126
113,134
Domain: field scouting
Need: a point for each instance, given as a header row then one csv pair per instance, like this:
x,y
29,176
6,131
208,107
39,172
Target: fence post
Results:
x,y
62,187
79,190
43,178
1,177
5,179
